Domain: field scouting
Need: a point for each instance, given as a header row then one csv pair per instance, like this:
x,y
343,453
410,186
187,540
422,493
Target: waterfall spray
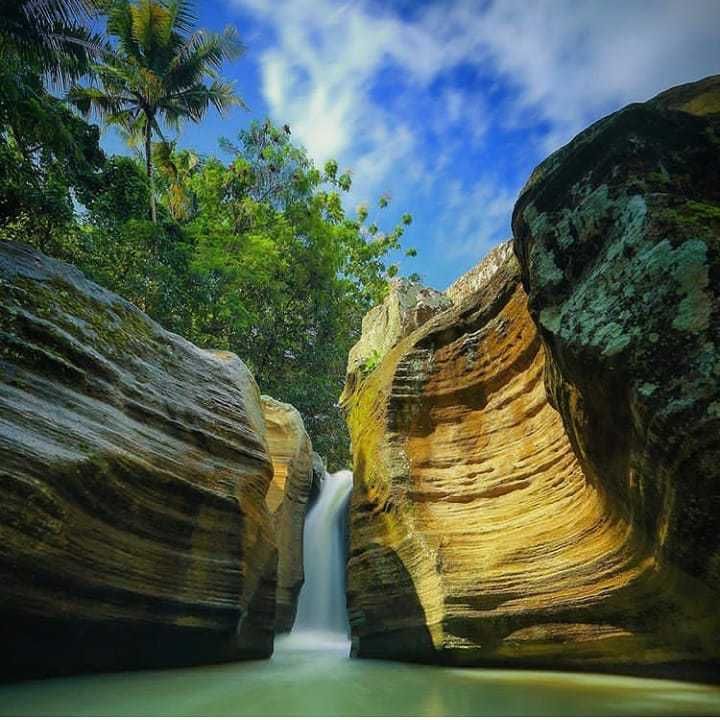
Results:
x,y
322,616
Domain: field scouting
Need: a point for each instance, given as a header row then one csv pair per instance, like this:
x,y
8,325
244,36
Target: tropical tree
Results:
x,y
41,42
162,72
176,169
49,37
47,153
286,274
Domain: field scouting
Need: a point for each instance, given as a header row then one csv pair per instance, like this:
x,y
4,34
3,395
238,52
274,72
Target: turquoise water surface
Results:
x,y
311,673
324,681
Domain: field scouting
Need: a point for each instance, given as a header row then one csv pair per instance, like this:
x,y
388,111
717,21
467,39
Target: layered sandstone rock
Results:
x,y
133,474
477,277
287,499
619,239
476,536
407,306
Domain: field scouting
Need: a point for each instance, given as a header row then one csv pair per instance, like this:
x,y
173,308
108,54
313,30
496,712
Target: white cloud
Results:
x,y
556,67
462,114
476,216
571,62
318,76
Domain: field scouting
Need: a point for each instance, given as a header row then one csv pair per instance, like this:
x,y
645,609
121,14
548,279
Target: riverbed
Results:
x,y
324,681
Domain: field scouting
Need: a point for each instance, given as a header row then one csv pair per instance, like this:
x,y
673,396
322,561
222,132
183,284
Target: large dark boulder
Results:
x,y
618,236
134,530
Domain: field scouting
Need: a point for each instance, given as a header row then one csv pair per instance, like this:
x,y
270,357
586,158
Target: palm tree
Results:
x,y
177,168
161,72
49,36
44,44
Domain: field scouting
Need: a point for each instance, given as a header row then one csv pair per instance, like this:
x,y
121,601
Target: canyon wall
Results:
x,y
618,235
287,499
134,479
536,478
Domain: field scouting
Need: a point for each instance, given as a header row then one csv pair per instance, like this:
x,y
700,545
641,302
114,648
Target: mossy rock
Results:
x,y
134,530
618,236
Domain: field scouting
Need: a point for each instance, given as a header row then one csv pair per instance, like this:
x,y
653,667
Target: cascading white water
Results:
x,y
322,616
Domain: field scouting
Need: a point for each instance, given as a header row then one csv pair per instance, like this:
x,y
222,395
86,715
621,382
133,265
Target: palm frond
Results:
x,y
205,51
192,103
182,17
151,25
49,36
120,26
132,133
223,97
70,12
90,100
163,158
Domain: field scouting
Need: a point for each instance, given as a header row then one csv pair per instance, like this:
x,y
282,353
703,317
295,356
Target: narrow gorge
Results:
x,y
535,479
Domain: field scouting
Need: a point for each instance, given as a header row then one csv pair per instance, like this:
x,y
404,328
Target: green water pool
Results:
x,y
327,682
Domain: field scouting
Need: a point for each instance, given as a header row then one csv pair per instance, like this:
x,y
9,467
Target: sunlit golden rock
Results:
x,y
408,305
476,538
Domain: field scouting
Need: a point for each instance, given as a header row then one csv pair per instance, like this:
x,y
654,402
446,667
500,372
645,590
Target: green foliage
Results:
x,y
371,362
120,193
47,155
288,274
256,255
175,170
159,72
48,37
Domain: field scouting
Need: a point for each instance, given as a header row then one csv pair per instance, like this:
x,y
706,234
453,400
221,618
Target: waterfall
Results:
x,y
322,616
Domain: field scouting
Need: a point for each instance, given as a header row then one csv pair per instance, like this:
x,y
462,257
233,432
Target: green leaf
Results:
x,y
345,182
331,168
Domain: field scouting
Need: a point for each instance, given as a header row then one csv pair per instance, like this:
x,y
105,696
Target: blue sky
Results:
x,y
447,105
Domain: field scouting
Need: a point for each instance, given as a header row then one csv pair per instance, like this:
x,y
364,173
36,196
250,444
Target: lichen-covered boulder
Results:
x,y
287,498
476,537
618,235
133,473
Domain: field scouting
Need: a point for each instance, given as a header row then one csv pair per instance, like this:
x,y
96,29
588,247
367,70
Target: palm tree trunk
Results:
x,y
149,168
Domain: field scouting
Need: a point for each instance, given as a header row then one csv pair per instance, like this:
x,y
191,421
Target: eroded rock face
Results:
x,y
287,498
477,277
133,474
407,306
476,537
618,235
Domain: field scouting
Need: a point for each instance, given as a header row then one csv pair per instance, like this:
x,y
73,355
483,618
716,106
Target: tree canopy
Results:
x,y
161,70
251,251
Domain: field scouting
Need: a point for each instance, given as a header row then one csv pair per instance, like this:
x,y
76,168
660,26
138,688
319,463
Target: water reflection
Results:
x,y
311,674
325,682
